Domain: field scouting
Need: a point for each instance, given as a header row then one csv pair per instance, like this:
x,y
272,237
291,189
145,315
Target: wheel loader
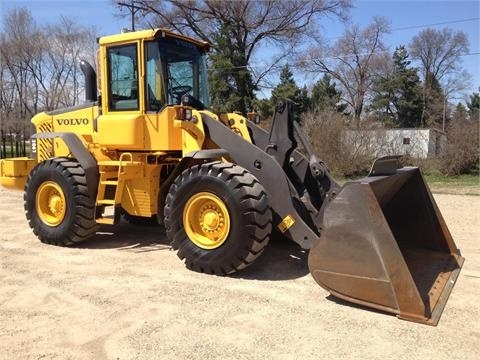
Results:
x,y
145,146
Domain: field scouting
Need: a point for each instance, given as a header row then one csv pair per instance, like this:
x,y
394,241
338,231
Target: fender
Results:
x,y
79,152
267,170
205,155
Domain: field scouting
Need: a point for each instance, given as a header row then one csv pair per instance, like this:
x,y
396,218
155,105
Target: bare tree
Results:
x,y
237,29
21,51
353,61
38,71
439,53
63,51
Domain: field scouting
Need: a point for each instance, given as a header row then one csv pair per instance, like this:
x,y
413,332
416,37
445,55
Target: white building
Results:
x,y
417,143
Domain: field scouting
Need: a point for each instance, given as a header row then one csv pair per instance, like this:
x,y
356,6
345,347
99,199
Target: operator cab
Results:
x,y
174,69
144,76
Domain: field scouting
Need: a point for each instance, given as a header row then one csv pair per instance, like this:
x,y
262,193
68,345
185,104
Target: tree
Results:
x,y
353,61
439,54
434,102
303,101
326,96
231,86
66,44
439,51
398,97
20,52
287,88
39,71
265,109
473,106
237,29
462,154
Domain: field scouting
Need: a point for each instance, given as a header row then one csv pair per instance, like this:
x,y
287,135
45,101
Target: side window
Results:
x,y
155,94
123,77
180,75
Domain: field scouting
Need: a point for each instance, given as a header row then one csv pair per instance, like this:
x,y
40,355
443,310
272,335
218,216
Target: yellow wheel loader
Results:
x,y
146,147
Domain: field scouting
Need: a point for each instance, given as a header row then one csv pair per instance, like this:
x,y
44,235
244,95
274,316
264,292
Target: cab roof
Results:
x,y
150,35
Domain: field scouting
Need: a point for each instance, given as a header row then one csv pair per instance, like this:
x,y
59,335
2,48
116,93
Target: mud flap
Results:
x,y
385,245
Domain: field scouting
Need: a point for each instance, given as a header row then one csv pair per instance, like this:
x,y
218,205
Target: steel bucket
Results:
x,y
384,244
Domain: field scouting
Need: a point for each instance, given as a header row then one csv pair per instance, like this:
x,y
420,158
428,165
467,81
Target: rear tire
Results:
x,y
225,212
57,204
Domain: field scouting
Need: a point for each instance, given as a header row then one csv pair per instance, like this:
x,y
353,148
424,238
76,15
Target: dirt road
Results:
x,y
125,295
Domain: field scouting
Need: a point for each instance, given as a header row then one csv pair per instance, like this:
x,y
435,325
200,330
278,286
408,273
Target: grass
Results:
x,y
461,180
441,184
460,184
10,150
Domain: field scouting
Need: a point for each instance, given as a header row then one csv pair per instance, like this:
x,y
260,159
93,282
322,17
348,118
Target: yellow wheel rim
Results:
x,y
50,203
206,220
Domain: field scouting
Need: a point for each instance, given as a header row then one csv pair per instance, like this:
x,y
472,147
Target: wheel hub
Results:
x,y
50,203
206,220
211,220
56,204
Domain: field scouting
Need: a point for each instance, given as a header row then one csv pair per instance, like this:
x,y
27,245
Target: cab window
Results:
x,y
155,94
123,78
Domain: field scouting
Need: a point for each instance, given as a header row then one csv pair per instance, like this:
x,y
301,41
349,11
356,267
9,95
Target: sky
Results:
x,y
407,18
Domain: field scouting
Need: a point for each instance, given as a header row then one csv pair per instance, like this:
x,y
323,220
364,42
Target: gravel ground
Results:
x,y
125,295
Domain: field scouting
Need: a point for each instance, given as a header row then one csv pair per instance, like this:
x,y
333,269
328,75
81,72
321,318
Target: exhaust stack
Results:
x,y
90,81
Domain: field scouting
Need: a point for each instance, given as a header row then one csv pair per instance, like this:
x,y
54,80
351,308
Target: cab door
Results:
x,y
122,124
160,133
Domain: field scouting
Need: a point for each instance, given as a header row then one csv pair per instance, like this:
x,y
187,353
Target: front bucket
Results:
x,y
385,245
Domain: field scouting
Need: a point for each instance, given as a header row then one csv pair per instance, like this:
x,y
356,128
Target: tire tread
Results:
x,y
83,225
251,198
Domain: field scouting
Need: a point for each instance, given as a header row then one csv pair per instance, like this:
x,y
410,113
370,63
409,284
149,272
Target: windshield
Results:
x,y
183,70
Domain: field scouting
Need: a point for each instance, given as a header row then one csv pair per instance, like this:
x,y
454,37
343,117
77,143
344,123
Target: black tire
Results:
x,y
249,214
78,221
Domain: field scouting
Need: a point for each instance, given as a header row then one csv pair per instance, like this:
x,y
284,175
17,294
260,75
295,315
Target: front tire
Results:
x,y
57,205
218,218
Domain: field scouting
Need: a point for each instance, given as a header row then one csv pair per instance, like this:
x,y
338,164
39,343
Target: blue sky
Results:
x,y
407,18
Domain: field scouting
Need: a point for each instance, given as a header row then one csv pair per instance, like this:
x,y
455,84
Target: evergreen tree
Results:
x,y
304,102
474,106
460,113
434,103
326,97
287,88
399,94
230,81
264,107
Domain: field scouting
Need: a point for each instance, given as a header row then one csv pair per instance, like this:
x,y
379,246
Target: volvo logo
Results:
x,y
82,121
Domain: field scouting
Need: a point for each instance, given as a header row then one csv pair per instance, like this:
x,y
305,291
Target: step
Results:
x,y
105,221
109,174
106,202
109,182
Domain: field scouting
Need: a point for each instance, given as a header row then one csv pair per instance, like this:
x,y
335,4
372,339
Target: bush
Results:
x,y
325,131
427,166
462,155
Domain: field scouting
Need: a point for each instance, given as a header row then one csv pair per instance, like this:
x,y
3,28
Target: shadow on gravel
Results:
x,y
356,306
281,260
127,237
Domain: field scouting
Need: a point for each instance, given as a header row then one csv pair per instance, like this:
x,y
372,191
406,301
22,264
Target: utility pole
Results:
x,y
133,8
